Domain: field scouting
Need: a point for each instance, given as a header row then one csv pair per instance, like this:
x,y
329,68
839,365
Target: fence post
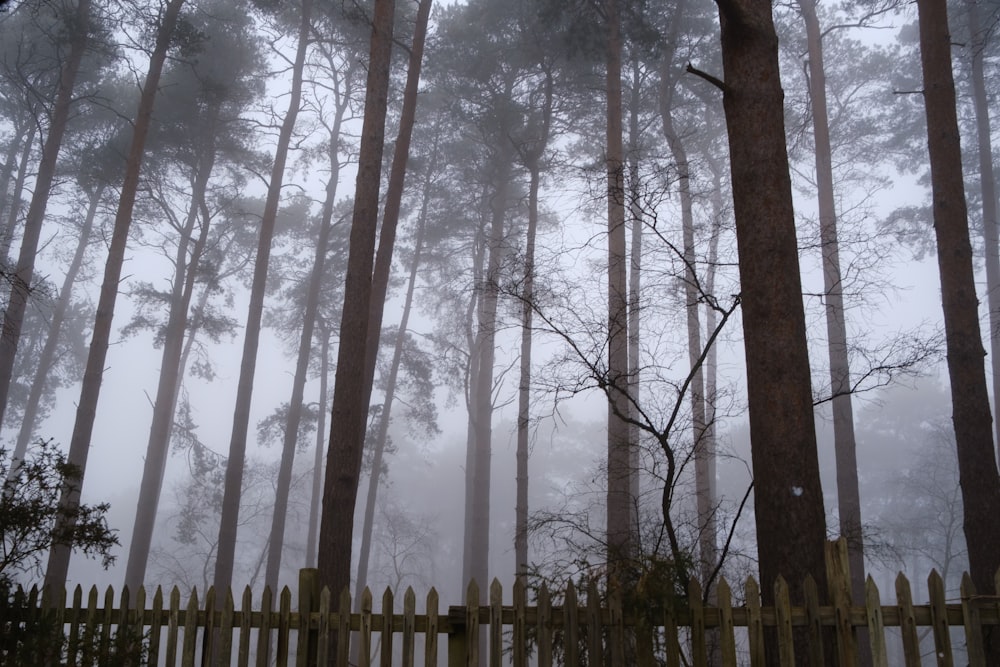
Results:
x,y
458,640
308,645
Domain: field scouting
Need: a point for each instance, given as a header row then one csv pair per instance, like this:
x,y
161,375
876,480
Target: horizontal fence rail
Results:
x,y
592,628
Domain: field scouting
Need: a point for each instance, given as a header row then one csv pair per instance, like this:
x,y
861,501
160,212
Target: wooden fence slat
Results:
x,y
123,642
284,626
107,619
471,625
226,623
699,652
190,630
431,640
595,647
519,634
973,623
73,646
616,631
246,610
388,602
305,649
264,630
755,626
323,633
343,628
839,587
155,627
876,625
173,625
810,591
496,625
939,620
571,625
671,638
907,622
543,628
783,614
727,635
210,634
409,626
365,639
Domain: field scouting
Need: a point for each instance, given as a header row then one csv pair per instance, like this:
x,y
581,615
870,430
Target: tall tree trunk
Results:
x,y
83,428
165,404
848,495
477,523
229,521
790,520
18,144
349,415
8,233
634,282
471,383
276,539
48,354
390,394
317,478
971,417
531,156
619,542
987,183
24,271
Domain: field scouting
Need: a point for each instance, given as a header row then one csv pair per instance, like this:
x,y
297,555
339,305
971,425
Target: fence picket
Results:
x,y
939,620
613,634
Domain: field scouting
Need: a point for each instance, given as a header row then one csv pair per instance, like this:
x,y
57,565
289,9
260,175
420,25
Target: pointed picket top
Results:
x,y
388,601
496,590
876,625
755,626
432,598
783,611
727,639
973,623
409,597
472,594
939,618
366,600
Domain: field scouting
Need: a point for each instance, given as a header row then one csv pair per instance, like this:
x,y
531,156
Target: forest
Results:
x,y
417,293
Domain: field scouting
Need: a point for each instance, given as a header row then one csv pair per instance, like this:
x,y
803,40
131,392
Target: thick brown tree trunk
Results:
x,y
619,505
164,406
83,428
24,270
791,526
229,520
971,417
349,415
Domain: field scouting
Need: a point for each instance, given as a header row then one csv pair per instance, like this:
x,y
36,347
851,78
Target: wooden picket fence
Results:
x,y
595,630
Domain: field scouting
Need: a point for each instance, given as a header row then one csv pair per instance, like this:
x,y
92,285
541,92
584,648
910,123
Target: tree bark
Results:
x,y
15,198
971,417
349,415
24,271
229,521
83,428
619,534
790,520
317,478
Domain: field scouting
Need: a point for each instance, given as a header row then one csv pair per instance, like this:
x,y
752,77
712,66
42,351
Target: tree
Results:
x,y
348,416
32,520
83,427
229,523
80,29
971,417
788,502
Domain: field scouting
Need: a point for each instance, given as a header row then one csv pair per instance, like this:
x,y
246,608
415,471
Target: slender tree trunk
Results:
x,y
791,532
971,417
390,395
317,478
471,400
15,198
229,522
277,537
48,354
634,283
165,404
848,495
349,415
24,271
531,156
83,428
987,183
17,145
619,542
